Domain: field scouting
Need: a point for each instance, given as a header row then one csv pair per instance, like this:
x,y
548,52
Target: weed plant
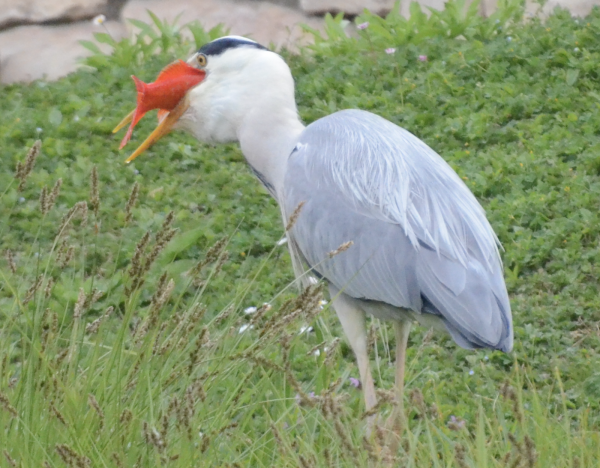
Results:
x,y
147,313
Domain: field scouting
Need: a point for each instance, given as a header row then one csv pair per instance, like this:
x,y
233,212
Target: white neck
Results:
x,y
267,136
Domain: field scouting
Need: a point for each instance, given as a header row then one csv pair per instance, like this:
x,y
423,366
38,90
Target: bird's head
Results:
x,y
227,82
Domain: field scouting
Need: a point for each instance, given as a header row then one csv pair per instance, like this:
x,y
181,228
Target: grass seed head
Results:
x,y
58,414
278,439
126,417
51,198
48,288
306,462
418,401
117,459
33,289
212,254
44,200
93,327
94,404
10,259
460,456
24,169
80,208
5,403
133,196
530,452
331,351
222,259
11,461
79,305
136,266
342,248
294,217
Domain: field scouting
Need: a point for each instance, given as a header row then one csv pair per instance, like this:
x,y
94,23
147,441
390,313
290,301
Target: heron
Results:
x,y
420,246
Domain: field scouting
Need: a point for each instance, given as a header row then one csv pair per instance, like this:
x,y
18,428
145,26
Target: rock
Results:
x,y
350,7
576,7
51,51
29,53
261,21
14,12
21,59
426,5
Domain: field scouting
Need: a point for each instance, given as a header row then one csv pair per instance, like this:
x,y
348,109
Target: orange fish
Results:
x,y
171,85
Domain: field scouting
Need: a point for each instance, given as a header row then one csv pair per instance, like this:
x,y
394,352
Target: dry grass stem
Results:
x,y
10,259
342,248
126,417
80,208
195,353
47,199
58,414
224,315
135,267
94,191
117,459
94,404
71,458
460,456
48,288
418,402
24,169
32,290
11,461
212,254
509,393
79,305
222,259
51,199
315,348
5,403
294,217
530,452
163,237
260,312
278,439
330,353
44,200
306,462
133,196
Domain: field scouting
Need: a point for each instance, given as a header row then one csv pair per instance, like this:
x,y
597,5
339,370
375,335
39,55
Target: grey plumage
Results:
x,y
423,248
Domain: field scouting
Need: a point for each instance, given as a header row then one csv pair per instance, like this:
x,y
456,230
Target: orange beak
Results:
x,y
168,94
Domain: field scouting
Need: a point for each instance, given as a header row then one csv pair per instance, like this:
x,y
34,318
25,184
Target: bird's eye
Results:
x,y
201,59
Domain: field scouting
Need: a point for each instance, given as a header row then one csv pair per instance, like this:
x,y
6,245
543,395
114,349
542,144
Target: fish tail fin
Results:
x,y
139,112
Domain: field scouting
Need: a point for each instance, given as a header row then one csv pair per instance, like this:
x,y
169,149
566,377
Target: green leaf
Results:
x,y
105,38
184,241
572,76
145,27
55,117
89,45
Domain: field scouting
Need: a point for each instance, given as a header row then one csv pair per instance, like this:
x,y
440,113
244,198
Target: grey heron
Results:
x,y
423,249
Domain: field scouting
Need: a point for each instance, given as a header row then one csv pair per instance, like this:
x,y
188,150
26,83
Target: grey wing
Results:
x,y
420,238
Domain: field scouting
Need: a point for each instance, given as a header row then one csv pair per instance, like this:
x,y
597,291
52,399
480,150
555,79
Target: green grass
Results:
x,y
168,379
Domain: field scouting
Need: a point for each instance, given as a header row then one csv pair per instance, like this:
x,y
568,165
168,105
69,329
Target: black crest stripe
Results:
x,y
218,46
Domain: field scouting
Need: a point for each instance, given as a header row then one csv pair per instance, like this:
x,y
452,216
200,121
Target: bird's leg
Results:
x,y
398,418
352,319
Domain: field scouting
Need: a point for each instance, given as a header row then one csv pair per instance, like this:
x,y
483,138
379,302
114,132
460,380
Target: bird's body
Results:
x,y
422,248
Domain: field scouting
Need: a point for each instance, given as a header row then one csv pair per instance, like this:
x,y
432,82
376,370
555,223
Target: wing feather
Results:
x,y
421,239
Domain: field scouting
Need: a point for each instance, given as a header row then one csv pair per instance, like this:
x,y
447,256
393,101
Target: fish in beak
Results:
x,y
168,94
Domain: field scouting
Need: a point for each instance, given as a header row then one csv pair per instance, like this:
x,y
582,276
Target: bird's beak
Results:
x,y
168,94
165,124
